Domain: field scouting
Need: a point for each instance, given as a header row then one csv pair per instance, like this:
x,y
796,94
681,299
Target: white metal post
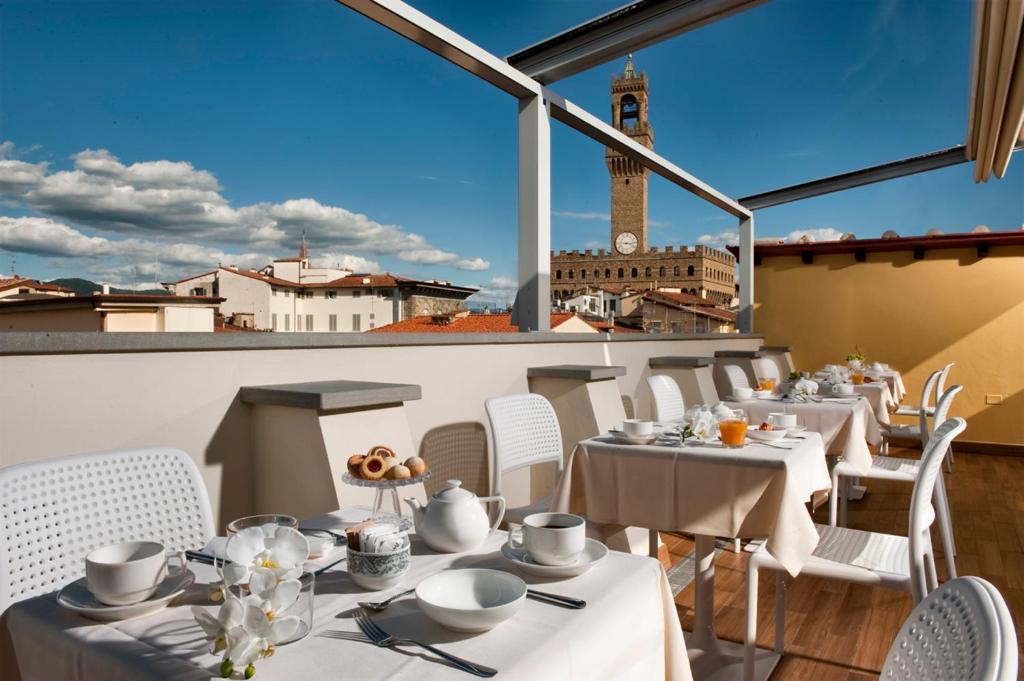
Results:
x,y
745,320
532,311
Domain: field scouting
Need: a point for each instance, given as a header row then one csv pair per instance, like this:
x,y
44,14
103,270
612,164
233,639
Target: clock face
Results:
x,y
625,243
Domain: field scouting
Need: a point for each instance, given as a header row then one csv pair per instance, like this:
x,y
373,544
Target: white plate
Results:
x,y
77,597
795,429
622,438
593,552
765,435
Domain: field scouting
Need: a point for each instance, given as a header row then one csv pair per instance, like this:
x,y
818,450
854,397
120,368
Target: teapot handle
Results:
x,y
501,509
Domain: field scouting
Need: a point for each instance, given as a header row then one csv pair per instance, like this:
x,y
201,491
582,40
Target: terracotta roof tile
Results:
x,y
500,322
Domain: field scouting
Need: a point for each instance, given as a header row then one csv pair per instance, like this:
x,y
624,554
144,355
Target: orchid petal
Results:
x,y
245,545
242,647
230,615
290,548
262,582
283,629
211,625
285,595
255,622
235,573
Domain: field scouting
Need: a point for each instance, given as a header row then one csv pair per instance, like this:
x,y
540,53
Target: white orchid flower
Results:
x,y
270,595
216,628
258,635
284,553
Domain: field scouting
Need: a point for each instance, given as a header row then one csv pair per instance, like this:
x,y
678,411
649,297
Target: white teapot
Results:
x,y
454,520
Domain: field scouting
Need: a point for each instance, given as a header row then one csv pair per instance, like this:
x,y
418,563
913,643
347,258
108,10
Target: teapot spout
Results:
x,y
417,509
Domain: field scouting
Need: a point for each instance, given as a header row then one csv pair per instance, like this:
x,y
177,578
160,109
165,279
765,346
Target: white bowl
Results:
x,y
766,435
761,394
472,600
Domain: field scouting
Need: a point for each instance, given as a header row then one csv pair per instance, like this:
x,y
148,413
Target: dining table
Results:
x,y
881,399
891,377
758,490
847,424
629,629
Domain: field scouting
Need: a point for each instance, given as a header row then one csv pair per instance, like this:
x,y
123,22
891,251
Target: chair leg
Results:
x,y
833,500
780,611
933,576
949,459
750,639
843,500
737,546
945,526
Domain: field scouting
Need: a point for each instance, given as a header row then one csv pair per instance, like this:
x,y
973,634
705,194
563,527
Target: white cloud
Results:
x,y
173,199
576,215
345,261
817,233
499,291
722,239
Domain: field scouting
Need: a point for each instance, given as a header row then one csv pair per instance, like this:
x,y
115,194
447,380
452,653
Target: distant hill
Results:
x,y
84,287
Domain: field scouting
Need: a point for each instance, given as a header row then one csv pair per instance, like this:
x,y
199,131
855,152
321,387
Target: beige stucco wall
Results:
x,y
187,319
189,399
916,315
123,321
51,320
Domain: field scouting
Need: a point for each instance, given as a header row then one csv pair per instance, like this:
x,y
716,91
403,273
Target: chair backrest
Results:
x,y
924,405
54,512
668,400
767,368
942,406
940,387
525,432
957,633
735,376
922,513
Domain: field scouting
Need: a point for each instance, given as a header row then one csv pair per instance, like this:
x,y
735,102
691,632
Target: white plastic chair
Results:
x,y
962,631
735,377
911,409
913,432
525,432
906,563
56,511
668,400
902,470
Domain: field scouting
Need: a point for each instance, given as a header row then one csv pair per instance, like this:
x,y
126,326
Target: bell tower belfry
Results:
x,y
629,178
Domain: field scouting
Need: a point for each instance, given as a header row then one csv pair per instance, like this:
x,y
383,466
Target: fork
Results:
x,y
385,640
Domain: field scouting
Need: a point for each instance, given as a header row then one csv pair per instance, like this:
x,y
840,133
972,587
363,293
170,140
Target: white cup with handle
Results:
x,y
551,538
845,389
637,427
742,393
781,420
129,572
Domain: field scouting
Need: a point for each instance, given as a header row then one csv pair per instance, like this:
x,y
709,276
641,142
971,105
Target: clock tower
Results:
x,y
629,178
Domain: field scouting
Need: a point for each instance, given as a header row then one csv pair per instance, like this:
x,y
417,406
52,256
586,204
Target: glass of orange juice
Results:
x,y
766,384
733,428
857,378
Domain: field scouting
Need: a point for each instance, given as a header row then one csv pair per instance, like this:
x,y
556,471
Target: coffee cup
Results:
x,y
127,573
551,538
842,389
781,420
742,393
637,427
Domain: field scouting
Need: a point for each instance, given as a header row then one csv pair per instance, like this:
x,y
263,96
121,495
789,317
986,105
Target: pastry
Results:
x,y
398,472
381,451
353,464
416,465
373,468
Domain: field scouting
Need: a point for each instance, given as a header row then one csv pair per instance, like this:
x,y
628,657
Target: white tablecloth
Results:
x,y
880,398
754,491
847,427
629,630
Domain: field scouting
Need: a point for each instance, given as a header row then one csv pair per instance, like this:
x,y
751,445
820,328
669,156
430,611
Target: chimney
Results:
x,y
106,289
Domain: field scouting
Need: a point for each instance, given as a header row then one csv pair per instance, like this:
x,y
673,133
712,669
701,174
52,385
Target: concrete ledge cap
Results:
x,y
749,354
328,395
580,372
680,361
776,348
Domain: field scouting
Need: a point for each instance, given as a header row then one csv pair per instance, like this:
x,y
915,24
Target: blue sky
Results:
x,y
145,141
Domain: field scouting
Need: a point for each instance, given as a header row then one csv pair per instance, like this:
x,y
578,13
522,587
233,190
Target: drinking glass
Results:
x,y
857,377
766,384
260,520
733,428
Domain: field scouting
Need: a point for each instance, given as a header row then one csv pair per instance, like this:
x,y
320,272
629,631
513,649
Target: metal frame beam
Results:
x,y
859,178
626,29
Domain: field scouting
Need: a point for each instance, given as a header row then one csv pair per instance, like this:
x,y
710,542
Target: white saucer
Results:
x,y
792,430
622,438
593,552
733,398
76,596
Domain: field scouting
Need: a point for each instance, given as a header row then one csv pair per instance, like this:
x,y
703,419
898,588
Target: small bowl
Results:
x,y
472,600
378,571
761,394
766,435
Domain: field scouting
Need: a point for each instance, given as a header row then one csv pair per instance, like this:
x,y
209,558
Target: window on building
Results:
x,y
273,322
622,273
647,272
287,294
558,274
287,322
629,111
298,322
583,274
309,322
273,291
356,293
633,273
607,273
357,324
332,322
675,271
661,271
571,273
387,293
372,316
689,271
332,294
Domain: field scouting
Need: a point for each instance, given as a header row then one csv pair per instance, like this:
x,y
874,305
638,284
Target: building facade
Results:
x,y
289,296
110,312
630,260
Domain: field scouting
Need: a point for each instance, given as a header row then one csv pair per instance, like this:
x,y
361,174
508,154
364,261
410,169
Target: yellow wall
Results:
x,y
80,319
914,314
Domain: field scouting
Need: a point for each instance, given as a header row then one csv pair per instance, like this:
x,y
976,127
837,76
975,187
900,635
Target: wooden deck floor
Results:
x,y
836,631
